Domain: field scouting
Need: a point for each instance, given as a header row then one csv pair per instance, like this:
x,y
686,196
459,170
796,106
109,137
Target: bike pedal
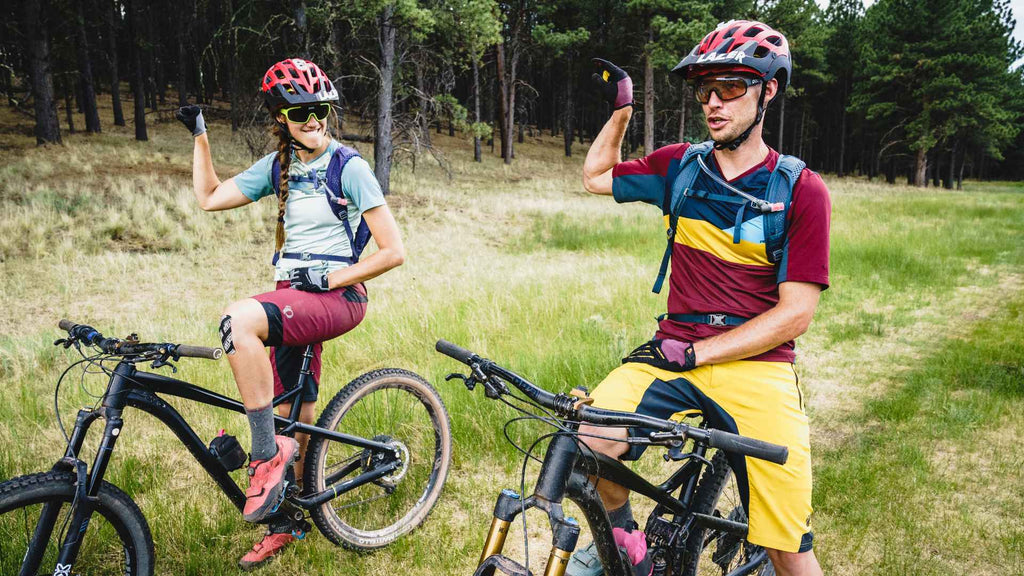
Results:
x,y
299,534
280,499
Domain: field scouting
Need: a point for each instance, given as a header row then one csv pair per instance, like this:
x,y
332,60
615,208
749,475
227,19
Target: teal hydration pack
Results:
x,y
682,176
357,239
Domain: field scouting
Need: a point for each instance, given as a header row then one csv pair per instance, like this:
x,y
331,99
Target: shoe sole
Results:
x,y
276,496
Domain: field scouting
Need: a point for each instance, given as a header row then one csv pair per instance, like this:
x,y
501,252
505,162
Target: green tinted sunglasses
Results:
x,y
301,114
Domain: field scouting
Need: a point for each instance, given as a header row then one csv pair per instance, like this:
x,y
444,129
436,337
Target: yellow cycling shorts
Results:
x,y
757,399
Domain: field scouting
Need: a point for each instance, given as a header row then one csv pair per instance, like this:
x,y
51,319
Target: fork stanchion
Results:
x,y
566,533
505,511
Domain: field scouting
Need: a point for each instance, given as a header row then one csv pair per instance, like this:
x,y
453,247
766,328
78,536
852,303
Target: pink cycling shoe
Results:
x,y
266,480
265,549
635,545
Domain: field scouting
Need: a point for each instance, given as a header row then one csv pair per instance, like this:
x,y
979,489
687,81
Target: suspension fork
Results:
x,y
87,495
548,495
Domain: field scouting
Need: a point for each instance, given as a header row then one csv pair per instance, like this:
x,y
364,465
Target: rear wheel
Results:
x,y
394,407
117,539
715,552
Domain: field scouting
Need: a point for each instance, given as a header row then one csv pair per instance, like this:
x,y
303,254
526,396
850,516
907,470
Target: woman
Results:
x,y
320,293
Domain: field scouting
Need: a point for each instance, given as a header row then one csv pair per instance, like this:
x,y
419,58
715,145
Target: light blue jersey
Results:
x,y
309,223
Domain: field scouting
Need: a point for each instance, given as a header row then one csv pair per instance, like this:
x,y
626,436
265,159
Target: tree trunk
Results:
x,y
649,92
47,126
569,113
684,100
236,112
182,72
138,89
477,152
92,116
960,175
782,118
115,80
421,94
302,28
951,174
69,101
502,103
383,148
921,168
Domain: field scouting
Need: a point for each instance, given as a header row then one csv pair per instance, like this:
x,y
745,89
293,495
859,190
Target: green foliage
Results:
x,y
942,78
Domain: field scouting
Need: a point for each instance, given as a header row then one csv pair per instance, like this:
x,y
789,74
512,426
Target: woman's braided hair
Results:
x,y
284,157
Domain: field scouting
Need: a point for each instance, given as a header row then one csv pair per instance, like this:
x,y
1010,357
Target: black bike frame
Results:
x,y
130,387
566,473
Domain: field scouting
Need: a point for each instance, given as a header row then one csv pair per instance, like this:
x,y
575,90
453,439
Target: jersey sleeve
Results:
x,y
255,182
643,179
360,185
805,255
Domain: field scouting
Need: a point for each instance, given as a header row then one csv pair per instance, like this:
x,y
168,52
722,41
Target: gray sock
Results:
x,y
623,517
261,422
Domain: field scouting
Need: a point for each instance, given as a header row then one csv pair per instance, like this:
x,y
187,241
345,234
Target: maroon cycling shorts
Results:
x,y
297,319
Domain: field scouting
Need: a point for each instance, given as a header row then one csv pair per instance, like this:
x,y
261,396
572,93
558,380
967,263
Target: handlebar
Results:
x,y
567,406
92,337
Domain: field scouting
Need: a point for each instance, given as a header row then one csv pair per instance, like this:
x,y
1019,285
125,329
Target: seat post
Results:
x,y
305,380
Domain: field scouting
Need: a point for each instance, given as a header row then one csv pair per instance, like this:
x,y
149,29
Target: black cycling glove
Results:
x,y
192,117
309,280
615,86
665,354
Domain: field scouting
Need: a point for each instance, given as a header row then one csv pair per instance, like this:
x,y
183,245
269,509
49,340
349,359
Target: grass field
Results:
x,y
913,368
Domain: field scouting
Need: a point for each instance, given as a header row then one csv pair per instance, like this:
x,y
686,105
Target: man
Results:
x,y
725,348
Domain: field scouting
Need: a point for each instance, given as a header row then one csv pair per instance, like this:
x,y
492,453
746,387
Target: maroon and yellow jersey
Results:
x,y
712,274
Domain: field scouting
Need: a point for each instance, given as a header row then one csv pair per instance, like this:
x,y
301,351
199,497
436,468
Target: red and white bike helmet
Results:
x,y
741,46
296,81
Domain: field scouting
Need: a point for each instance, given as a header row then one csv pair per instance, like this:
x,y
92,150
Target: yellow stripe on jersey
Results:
x,y
702,235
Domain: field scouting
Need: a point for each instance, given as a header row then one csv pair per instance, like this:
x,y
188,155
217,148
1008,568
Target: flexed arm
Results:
x,y
617,88
211,193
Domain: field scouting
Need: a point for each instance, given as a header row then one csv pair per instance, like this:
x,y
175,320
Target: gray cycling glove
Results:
x,y
309,280
192,117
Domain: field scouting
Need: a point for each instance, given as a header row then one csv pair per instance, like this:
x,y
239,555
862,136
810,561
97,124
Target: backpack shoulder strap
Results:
x,y
780,191
677,182
275,176
339,159
357,239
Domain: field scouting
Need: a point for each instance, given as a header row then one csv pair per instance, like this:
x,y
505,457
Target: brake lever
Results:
x,y
467,381
164,360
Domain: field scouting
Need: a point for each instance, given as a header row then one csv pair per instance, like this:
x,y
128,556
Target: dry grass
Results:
x,y
516,262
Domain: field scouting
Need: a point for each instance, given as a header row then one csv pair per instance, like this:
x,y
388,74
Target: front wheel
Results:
x,y
710,551
34,513
394,407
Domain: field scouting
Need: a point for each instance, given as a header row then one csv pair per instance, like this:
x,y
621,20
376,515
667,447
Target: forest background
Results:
x,y
476,115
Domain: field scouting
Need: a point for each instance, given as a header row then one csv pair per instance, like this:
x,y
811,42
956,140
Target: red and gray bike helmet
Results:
x,y
741,46
296,81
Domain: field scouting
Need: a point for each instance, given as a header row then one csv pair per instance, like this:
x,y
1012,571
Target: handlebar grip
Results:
x,y
198,352
748,446
65,324
451,350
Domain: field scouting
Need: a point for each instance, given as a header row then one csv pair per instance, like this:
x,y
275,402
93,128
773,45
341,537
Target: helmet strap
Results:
x,y
294,144
737,141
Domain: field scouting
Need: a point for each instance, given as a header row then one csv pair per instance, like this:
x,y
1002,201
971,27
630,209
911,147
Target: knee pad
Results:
x,y
225,335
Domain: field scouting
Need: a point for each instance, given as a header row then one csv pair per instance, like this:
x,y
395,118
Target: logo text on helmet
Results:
x,y
736,55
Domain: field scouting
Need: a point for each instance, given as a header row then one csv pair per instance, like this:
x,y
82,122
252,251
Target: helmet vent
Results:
x,y
774,40
752,32
731,31
760,52
726,45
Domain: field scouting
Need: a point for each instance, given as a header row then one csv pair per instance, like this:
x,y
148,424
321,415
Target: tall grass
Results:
x,y
519,264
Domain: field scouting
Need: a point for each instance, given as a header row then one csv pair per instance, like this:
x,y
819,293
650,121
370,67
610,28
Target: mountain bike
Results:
x,y
698,525
377,459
